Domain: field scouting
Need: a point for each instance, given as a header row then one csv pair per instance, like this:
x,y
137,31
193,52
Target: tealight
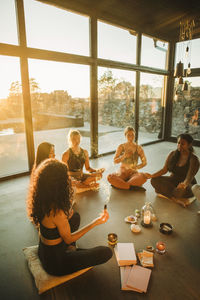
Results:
x,y
160,247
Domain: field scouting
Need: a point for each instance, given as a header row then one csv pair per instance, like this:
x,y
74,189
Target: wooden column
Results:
x,y
169,91
137,86
93,88
25,82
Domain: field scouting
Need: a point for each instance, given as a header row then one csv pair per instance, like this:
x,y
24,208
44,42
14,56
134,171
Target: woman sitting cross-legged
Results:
x,y
127,154
183,164
49,206
76,158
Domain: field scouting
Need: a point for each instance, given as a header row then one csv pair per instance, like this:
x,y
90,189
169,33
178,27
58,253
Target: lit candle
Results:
x,y
160,247
147,217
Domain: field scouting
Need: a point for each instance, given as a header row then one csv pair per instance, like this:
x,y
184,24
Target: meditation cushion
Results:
x,y
43,280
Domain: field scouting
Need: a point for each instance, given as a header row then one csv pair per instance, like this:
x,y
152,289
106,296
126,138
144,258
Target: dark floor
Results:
x,y
176,275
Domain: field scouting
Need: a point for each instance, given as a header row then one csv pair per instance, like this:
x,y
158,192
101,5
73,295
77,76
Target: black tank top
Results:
x,y
76,162
180,173
49,233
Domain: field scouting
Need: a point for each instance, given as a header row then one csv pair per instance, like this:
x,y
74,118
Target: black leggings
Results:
x,y
58,260
167,186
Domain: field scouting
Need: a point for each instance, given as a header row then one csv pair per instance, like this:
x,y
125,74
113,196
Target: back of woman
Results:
x,y
49,207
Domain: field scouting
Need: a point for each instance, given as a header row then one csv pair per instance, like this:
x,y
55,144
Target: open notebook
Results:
x,y
125,254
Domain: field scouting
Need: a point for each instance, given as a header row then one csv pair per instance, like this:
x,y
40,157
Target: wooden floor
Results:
x,y
176,275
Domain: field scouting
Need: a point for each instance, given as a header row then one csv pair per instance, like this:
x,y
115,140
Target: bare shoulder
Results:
x,y
121,147
171,154
65,155
59,215
140,150
194,158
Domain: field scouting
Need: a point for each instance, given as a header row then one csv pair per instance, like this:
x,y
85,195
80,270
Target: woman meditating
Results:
x,y
76,158
49,206
183,164
127,154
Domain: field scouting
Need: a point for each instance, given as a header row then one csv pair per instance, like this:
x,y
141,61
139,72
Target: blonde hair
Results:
x,y
72,133
128,128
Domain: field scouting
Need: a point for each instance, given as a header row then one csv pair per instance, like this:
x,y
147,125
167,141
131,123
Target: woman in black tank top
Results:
x,y
76,159
182,164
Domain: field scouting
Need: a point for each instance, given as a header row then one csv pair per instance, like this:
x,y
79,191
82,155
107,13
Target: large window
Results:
x,y
186,109
116,106
60,101
13,153
151,107
51,28
115,43
153,53
8,27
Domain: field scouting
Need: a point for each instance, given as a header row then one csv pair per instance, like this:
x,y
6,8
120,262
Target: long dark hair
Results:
x,y
43,151
49,191
175,157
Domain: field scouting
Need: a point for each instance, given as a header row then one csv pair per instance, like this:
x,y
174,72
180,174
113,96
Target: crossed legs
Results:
x,y
125,179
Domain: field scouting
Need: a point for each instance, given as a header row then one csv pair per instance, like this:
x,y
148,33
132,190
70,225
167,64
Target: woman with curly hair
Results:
x,y
49,207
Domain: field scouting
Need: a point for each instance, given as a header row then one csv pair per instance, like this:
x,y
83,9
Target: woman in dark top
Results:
x,y
49,207
76,158
183,164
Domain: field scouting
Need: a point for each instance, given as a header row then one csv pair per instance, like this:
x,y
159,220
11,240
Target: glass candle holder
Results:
x,y
160,247
112,239
146,215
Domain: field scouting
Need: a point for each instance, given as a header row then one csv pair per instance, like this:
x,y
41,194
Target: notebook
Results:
x,y
125,254
124,272
138,279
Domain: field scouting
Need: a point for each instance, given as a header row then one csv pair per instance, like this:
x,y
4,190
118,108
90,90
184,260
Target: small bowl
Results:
x,y
166,228
112,239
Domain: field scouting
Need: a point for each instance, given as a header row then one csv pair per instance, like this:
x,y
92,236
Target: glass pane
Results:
x,y
13,153
116,106
188,52
186,109
8,20
153,53
60,101
55,29
115,43
151,107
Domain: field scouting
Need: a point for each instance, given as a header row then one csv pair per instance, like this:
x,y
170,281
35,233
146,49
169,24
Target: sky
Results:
x,y
51,28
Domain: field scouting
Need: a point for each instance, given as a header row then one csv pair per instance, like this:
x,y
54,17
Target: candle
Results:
x,y
147,217
160,247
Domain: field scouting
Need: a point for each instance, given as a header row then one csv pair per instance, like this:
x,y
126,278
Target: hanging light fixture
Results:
x,y
179,71
185,86
176,95
186,33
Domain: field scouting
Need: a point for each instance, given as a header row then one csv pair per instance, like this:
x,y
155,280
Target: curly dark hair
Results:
x,y
50,190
